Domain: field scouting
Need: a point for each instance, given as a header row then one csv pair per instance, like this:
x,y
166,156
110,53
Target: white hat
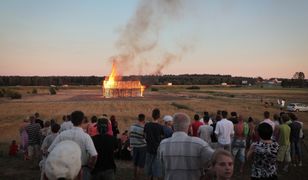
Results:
x,y
64,161
168,118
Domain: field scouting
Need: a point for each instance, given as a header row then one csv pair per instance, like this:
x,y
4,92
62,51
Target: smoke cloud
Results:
x,y
139,39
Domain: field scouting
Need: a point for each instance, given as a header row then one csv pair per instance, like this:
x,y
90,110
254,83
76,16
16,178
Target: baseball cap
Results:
x,y
64,161
168,118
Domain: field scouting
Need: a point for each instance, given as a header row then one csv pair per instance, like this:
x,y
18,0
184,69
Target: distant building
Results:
x,y
224,84
169,84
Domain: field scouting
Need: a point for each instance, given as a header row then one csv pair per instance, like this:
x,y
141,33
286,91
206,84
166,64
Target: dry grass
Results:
x,y
169,100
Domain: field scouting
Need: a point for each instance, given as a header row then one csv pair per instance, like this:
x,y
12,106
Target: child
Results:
x,y
13,149
222,164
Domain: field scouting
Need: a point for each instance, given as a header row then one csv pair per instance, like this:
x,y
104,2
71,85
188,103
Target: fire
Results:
x,y
113,86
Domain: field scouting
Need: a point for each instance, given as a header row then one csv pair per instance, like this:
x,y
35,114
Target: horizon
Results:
x,y
264,38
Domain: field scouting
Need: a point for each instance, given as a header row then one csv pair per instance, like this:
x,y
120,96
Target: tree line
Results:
x,y
183,79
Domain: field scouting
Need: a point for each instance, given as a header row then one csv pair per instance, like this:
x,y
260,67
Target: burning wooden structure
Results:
x,y
113,86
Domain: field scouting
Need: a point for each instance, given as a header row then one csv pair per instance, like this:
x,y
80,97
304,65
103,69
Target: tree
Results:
x,y
299,75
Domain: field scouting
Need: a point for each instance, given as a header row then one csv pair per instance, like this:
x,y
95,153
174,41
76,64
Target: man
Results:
x,y
67,124
38,120
138,143
205,131
268,120
168,126
105,145
76,134
154,133
284,156
34,139
224,130
183,156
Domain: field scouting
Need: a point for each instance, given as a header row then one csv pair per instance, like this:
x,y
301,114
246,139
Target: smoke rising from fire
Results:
x,y
138,43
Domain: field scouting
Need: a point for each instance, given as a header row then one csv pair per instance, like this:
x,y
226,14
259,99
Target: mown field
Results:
x,y
169,99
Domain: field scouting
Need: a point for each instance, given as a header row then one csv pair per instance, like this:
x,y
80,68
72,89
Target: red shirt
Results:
x,y
13,150
195,126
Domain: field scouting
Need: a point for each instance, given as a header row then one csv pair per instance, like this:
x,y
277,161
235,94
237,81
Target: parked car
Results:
x,y
297,107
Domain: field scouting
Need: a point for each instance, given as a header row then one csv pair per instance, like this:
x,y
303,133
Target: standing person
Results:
x,y
206,113
296,127
92,128
105,145
138,145
222,164
284,155
13,148
34,134
24,138
67,124
213,135
239,142
38,120
168,126
195,126
224,130
45,145
183,156
264,154
268,120
114,123
234,118
206,130
154,133
76,134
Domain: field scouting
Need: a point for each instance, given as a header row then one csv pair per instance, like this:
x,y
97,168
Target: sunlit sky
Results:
x,y
267,38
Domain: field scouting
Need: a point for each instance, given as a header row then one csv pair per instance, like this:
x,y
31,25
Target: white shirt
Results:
x,y
66,126
224,130
270,122
205,132
77,135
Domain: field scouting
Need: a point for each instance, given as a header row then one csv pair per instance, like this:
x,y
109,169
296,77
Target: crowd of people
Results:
x,y
166,147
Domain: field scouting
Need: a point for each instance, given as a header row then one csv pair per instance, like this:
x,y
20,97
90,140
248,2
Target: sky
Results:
x,y
267,38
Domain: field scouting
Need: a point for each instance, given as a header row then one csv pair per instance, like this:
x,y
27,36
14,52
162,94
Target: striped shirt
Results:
x,y
136,137
183,156
34,133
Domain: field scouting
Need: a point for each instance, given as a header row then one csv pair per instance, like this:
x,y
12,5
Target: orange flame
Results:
x,y
114,87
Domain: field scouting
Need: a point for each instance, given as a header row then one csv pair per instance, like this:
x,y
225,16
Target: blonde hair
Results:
x,y
218,153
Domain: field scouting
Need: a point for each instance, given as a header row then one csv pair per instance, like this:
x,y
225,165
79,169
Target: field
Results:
x,y
169,99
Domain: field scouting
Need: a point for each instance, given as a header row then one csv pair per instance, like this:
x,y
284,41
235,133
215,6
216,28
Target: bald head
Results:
x,y
181,122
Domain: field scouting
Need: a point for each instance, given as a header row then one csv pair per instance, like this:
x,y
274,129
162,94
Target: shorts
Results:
x,y
152,165
284,153
139,155
34,151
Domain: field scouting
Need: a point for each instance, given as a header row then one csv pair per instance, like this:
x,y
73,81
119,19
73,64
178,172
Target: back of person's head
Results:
x,y
47,124
265,131
234,114
292,116
205,113
181,122
141,117
266,115
156,114
218,117
112,119
250,119
13,142
36,114
77,118
32,119
206,118
64,118
68,117
102,125
240,118
224,114
218,112
55,128
276,117
196,117
93,119
285,118
64,161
